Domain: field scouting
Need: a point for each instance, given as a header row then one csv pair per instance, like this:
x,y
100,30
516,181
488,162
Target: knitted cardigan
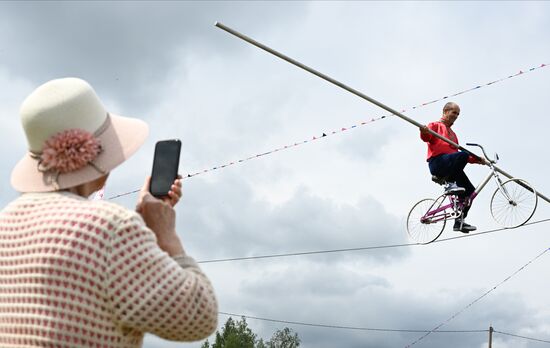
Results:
x,y
79,273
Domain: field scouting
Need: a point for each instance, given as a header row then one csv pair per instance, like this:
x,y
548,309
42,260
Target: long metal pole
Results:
x,y
356,92
490,336
337,83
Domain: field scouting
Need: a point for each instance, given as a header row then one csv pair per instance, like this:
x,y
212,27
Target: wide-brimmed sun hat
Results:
x,y
71,138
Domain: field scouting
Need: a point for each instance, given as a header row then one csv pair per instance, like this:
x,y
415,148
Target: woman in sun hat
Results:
x,y
82,273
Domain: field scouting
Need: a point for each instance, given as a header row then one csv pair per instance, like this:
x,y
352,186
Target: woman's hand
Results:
x,y
160,217
175,193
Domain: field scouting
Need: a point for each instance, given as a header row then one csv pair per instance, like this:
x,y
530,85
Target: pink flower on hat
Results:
x,y
70,150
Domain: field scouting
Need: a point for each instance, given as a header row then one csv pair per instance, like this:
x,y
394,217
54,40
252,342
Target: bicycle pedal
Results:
x,y
455,215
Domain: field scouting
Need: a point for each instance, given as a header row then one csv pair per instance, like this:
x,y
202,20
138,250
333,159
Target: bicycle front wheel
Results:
x,y
514,204
422,228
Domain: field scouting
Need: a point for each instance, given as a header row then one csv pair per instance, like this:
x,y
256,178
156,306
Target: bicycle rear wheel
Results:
x,y
421,229
515,204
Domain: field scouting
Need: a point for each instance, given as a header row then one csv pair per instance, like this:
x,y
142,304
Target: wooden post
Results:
x,y
490,336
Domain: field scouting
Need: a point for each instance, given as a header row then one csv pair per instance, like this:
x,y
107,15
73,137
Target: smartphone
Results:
x,y
165,166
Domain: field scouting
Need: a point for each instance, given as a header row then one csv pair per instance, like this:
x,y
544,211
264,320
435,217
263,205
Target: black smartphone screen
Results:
x,y
165,166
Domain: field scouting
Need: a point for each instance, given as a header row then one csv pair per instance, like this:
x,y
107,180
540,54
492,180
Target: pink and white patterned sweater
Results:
x,y
79,273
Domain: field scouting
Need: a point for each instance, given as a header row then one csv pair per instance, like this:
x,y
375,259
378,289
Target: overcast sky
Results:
x,y
166,63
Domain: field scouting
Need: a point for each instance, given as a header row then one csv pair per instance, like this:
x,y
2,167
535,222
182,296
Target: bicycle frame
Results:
x,y
512,204
440,213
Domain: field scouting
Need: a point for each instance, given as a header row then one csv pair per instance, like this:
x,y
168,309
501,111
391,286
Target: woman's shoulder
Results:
x,y
104,208
69,204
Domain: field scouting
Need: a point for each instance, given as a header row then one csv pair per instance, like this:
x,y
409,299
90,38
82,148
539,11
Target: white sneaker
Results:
x,y
452,189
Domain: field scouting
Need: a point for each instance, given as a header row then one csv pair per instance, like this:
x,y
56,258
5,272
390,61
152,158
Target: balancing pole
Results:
x,y
357,93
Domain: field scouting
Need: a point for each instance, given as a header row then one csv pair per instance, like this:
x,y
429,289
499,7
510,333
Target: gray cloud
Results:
x,y
308,292
125,48
10,132
165,62
227,211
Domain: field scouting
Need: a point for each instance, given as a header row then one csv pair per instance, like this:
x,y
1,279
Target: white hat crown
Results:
x,y
58,105
72,139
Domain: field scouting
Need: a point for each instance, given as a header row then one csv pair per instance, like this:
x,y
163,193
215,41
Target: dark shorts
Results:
x,y
451,166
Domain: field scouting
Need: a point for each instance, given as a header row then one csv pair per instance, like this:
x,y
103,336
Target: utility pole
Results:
x,y
490,336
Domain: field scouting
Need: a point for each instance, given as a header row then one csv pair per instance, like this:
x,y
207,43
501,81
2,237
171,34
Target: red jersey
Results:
x,y
437,146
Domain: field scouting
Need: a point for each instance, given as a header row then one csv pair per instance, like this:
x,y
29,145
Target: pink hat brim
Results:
x,y
120,140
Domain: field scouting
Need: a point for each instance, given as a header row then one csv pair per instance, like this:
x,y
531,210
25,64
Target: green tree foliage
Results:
x,y
237,334
284,338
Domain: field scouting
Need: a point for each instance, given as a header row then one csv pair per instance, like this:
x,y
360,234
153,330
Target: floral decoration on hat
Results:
x,y
69,151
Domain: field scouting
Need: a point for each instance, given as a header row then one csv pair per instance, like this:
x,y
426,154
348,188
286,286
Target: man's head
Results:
x,y
450,113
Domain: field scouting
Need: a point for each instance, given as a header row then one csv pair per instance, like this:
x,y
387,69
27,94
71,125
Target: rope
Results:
x,y
344,129
476,300
270,256
326,326
524,337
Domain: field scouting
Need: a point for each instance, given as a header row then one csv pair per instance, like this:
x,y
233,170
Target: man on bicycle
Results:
x,y
447,163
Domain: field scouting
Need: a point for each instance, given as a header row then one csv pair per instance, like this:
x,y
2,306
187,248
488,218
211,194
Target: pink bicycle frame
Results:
x,y
440,214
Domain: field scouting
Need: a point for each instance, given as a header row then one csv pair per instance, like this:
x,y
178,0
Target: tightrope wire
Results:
x,y
358,328
519,336
361,328
476,300
243,258
343,129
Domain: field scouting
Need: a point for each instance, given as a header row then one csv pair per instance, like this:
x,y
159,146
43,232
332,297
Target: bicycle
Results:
x,y
513,203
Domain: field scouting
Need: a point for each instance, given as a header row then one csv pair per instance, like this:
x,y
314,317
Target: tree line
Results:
x,y
237,334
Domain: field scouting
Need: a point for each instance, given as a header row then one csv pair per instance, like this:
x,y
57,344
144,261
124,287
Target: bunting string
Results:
x,y
344,129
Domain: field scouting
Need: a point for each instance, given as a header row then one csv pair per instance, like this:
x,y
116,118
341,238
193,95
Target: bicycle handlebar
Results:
x,y
483,150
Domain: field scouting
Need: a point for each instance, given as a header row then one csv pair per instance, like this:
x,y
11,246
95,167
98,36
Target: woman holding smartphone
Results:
x,y
75,272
